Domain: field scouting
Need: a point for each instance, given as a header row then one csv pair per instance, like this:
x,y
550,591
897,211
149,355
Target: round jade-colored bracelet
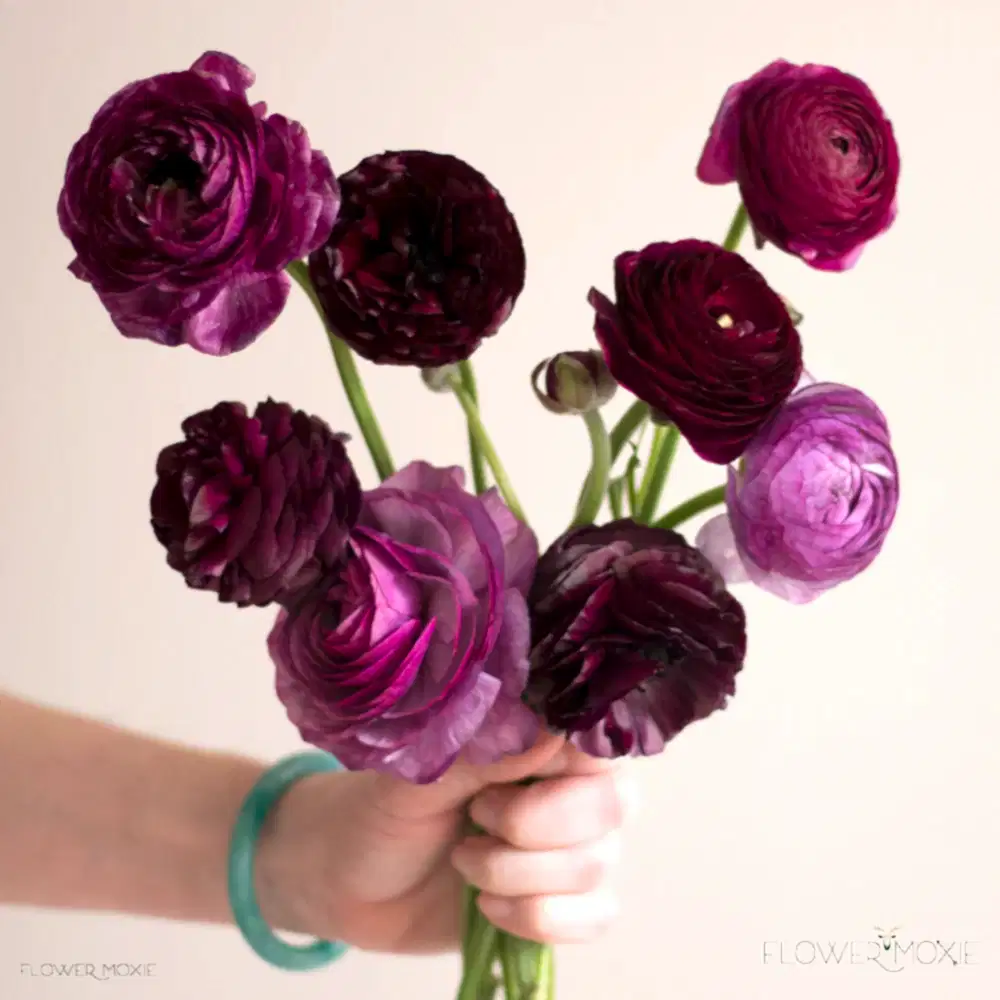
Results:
x,y
269,788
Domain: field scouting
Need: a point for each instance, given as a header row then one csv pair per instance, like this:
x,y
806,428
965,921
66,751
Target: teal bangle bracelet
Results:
x,y
269,788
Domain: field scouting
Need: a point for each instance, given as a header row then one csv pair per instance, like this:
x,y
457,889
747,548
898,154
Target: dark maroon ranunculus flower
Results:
x,y
814,156
698,334
255,509
634,636
184,203
424,261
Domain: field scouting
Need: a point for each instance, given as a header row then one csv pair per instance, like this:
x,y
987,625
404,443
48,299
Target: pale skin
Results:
x,y
93,817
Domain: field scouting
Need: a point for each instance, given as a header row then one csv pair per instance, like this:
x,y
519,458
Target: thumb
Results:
x,y
407,801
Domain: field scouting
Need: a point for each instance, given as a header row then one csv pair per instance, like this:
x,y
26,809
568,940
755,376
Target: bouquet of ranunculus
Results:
x,y
417,621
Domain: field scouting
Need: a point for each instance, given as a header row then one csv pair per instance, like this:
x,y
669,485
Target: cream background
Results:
x,y
853,781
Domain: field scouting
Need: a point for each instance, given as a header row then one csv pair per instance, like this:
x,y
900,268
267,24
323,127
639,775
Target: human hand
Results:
x,y
380,863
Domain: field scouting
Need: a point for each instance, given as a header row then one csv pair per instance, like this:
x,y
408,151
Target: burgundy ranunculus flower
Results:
x,y
634,636
184,203
425,260
698,334
256,508
417,650
815,159
814,499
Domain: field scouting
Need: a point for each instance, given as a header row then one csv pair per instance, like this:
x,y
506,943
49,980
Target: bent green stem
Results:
x,y
478,430
736,228
661,457
468,377
692,508
596,484
353,387
633,418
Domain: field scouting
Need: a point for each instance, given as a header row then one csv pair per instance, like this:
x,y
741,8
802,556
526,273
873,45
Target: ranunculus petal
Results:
x,y
238,314
422,477
715,541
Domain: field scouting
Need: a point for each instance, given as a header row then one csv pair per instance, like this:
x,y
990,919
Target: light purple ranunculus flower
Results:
x,y
417,651
814,156
184,203
814,499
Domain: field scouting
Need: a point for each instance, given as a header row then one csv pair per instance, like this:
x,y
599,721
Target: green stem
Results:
x,y
353,387
616,494
478,953
546,987
736,228
631,421
661,456
508,965
468,377
477,430
691,508
596,484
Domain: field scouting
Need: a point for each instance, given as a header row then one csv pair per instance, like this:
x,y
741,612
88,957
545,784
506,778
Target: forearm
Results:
x,y
93,817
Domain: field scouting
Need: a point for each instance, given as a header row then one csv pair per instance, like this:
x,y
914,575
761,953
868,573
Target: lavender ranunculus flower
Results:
x,y
814,500
417,651
634,637
814,156
184,203
254,508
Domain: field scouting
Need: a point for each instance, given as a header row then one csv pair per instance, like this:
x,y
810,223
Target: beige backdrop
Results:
x,y
853,782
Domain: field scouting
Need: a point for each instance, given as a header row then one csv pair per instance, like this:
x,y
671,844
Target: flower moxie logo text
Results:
x,y
102,972
886,950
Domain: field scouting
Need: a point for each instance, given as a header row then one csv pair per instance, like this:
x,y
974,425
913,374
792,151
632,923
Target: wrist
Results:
x,y
296,870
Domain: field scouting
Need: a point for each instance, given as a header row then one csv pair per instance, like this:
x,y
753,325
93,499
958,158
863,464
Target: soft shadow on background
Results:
x,y
853,780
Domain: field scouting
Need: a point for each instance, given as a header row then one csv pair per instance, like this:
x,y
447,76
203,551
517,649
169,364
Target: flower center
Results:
x,y
841,143
176,168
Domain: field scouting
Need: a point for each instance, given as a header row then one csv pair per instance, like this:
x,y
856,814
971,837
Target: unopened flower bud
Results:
x,y
439,379
573,382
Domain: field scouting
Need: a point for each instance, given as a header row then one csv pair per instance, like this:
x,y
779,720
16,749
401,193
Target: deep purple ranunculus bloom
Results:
x,y
424,261
698,334
634,636
254,508
814,499
184,203
814,156
417,650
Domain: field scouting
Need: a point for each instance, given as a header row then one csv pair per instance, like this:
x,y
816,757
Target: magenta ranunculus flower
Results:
x,y
254,508
184,203
698,334
417,650
425,260
634,637
814,500
814,156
